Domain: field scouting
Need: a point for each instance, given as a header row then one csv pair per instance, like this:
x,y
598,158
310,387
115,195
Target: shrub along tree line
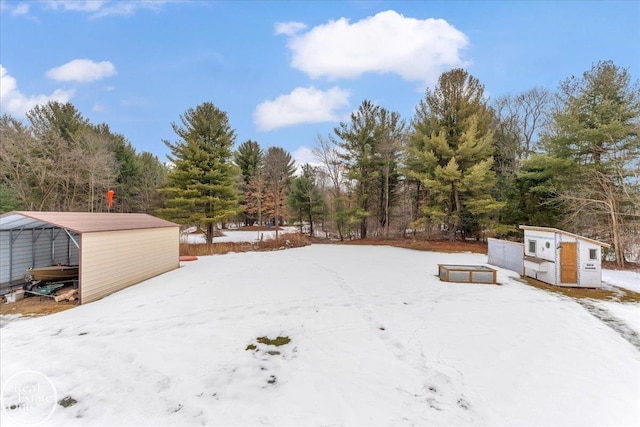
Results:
x,y
462,167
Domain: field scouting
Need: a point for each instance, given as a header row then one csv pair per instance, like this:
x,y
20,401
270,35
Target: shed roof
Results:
x,y
81,222
555,230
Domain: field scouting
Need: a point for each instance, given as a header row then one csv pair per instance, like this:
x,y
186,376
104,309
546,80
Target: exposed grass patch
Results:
x,y
67,401
619,294
251,347
276,342
289,240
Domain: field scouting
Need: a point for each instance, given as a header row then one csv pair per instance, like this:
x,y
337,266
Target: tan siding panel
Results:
x,y
114,260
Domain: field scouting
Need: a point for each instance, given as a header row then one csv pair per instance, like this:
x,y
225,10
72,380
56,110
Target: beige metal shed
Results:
x,y
113,250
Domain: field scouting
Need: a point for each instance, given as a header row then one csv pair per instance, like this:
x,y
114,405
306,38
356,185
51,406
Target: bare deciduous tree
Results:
x,y
279,168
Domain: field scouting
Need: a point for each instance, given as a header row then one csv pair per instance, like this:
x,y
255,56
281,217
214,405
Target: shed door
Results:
x,y
568,263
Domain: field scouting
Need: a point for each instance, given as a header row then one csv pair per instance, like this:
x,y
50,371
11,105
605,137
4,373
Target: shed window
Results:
x,y
532,246
593,254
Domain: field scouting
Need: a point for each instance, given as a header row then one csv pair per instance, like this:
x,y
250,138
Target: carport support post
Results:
x,y
12,240
54,236
10,255
34,239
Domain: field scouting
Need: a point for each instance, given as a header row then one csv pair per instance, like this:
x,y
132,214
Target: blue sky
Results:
x,y
287,71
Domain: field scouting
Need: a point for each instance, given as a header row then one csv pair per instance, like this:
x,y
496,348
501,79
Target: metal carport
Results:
x,y
112,250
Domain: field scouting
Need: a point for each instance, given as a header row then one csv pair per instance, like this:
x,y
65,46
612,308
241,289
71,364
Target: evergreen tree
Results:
x,y
597,126
388,154
249,158
153,176
358,141
453,140
127,180
596,122
201,187
537,187
8,199
56,119
369,147
305,198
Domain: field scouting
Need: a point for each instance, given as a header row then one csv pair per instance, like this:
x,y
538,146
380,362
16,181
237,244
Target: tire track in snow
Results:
x,y
613,322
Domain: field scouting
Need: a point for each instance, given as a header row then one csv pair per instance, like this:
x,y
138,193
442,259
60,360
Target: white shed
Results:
x,y
112,250
561,258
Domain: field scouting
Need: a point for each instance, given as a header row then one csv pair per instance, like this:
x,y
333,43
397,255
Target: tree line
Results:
x,y
462,167
57,160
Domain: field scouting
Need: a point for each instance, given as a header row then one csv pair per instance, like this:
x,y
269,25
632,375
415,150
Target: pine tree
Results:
x,y
452,141
597,127
368,149
153,175
305,198
201,186
388,154
250,158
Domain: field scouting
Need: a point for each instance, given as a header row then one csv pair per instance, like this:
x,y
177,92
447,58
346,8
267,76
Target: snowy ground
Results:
x,y
376,340
623,279
238,236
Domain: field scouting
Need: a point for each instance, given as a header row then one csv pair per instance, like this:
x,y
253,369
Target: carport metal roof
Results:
x,y
80,222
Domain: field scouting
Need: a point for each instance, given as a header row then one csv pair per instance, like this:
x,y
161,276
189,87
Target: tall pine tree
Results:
x,y
453,141
369,151
201,187
597,127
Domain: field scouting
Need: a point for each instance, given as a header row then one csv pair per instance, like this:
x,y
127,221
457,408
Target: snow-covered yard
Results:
x,y
376,340
237,235
623,279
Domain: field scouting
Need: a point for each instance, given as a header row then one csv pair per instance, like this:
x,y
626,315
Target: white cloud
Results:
x,y
415,49
15,103
289,28
304,155
82,70
302,105
77,5
97,107
102,8
20,9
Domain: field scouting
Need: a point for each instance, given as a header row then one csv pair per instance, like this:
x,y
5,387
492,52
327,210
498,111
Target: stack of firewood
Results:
x,y
66,293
